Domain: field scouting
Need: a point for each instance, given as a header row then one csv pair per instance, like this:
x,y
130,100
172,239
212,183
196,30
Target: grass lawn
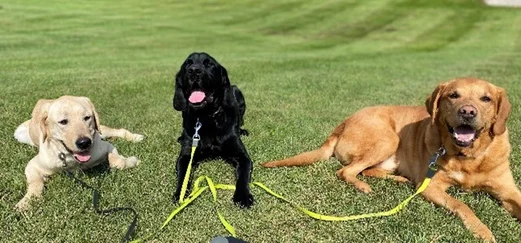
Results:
x,y
303,66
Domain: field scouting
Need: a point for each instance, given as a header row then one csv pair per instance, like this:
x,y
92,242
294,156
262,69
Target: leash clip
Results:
x,y
432,161
61,156
196,137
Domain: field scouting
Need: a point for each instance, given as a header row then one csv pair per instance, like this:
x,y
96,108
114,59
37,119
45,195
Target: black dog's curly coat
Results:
x,y
203,91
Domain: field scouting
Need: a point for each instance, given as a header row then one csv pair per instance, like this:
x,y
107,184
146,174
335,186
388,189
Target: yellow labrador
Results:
x,y
467,116
68,134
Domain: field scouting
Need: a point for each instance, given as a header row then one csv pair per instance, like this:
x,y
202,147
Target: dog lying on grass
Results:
x,y
68,135
203,93
466,116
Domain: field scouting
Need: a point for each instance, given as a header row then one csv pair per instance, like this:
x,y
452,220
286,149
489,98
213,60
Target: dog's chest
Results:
x,y
211,146
466,173
457,176
468,180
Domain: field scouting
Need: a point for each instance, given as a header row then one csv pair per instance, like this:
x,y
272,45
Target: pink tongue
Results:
x,y
196,97
82,157
464,134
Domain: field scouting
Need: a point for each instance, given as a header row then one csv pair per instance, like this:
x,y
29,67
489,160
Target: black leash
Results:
x,y
95,203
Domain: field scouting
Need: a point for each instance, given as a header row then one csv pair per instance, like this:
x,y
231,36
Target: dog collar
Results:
x,y
217,111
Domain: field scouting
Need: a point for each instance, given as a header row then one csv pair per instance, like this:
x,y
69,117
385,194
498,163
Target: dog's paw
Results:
x,y
244,199
22,205
483,232
131,162
137,137
177,195
243,132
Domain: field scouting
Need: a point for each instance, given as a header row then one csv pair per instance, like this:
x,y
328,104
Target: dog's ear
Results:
x,y
40,114
433,100
44,128
94,114
503,110
224,77
179,100
42,106
227,92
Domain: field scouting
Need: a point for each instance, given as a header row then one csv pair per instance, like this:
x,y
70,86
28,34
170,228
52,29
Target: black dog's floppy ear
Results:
x,y
227,94
179,97
224,77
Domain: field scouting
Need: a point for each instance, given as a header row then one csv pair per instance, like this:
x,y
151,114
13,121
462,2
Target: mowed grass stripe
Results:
x,y
260,12
372,22
504,37
325,35
399,33
312,16
455,26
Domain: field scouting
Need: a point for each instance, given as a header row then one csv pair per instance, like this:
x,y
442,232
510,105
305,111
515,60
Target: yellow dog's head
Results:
x,y
71,121
465,109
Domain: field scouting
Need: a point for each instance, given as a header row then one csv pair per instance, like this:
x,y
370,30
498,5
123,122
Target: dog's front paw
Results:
x,y
137,137
177,195
483,232
243,132
243,198
131,162
22,205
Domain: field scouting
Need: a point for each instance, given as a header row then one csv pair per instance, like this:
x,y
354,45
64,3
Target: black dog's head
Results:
x,y
201,82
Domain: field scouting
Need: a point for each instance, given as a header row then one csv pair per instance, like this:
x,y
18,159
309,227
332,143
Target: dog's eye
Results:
x,y
207,63
454,95
86,118
189,62
485,99
64,122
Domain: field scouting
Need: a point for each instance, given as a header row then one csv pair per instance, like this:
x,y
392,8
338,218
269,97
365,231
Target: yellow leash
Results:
x,y
195,142
198,190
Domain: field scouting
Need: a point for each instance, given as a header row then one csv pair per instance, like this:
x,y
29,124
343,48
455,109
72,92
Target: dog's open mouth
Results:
x,y
82,157
464,135
197,97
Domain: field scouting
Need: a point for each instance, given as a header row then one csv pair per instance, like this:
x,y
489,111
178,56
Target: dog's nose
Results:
x,y
468,111
83,143
195,69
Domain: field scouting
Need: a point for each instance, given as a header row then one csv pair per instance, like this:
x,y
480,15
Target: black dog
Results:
x,y
203,91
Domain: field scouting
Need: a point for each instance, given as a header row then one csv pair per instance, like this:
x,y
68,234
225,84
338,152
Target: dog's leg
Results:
x,y
35,184
107,132
238,156
382,173
181,166
505,190
348,174
118,161
436,194
363,156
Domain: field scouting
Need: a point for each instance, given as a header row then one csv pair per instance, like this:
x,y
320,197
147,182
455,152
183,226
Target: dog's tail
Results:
x,y
306,158
22,134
